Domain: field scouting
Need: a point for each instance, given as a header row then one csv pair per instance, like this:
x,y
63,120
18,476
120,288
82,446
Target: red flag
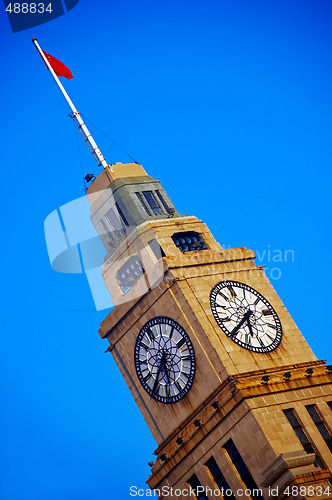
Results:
x,y
58,67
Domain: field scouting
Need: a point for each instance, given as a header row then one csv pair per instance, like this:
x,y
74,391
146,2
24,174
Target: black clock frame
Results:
x,y
184,391
229,283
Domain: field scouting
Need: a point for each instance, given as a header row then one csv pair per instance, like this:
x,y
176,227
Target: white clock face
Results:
x,y
245,316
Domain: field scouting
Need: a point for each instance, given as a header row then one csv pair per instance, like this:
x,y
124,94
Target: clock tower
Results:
x,y
237,402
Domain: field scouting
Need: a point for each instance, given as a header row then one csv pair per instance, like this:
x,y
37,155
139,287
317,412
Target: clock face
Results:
x,y
164,360
245,316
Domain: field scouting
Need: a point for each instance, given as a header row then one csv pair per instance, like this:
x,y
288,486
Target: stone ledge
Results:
x,y
283,463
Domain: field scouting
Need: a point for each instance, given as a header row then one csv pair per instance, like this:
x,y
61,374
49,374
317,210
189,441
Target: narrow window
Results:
x,y
320,425
163,202
242,469
198,489
152,202
301,435
143,203
107,231
115,222
219,479
123,218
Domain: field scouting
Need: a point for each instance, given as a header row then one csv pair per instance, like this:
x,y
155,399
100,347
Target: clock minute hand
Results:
x,y
243,320
155,385
250,328
167,374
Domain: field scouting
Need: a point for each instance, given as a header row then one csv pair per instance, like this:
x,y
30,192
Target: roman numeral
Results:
x,y
156,389
144,345
171,334
231,289
180,343
272,326
256,301
224,296
267,312
150,334
260,342
178,386
147,378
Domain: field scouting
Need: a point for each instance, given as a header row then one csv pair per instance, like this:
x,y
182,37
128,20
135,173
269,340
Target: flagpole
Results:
x,y
76,115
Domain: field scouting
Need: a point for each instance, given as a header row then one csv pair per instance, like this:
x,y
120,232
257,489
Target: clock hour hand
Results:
x,y
243,320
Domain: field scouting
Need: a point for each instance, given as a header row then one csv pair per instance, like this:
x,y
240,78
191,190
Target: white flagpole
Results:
x,y
76,115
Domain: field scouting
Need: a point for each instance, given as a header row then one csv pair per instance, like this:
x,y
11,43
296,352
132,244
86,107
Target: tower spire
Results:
x,y
75,114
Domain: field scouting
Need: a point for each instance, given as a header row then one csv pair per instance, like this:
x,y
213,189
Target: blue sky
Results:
x,y
228,104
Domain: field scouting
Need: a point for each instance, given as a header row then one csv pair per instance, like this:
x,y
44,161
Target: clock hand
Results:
x,y
166,370
243,320
250,327
167,375
155,385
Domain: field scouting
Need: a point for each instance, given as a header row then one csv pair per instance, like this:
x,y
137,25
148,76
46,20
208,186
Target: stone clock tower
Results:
x,y
237,402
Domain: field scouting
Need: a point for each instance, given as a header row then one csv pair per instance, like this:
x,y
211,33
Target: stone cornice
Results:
x,y
233,391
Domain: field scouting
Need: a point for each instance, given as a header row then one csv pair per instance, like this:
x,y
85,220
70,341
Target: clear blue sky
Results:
x,y
228,104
